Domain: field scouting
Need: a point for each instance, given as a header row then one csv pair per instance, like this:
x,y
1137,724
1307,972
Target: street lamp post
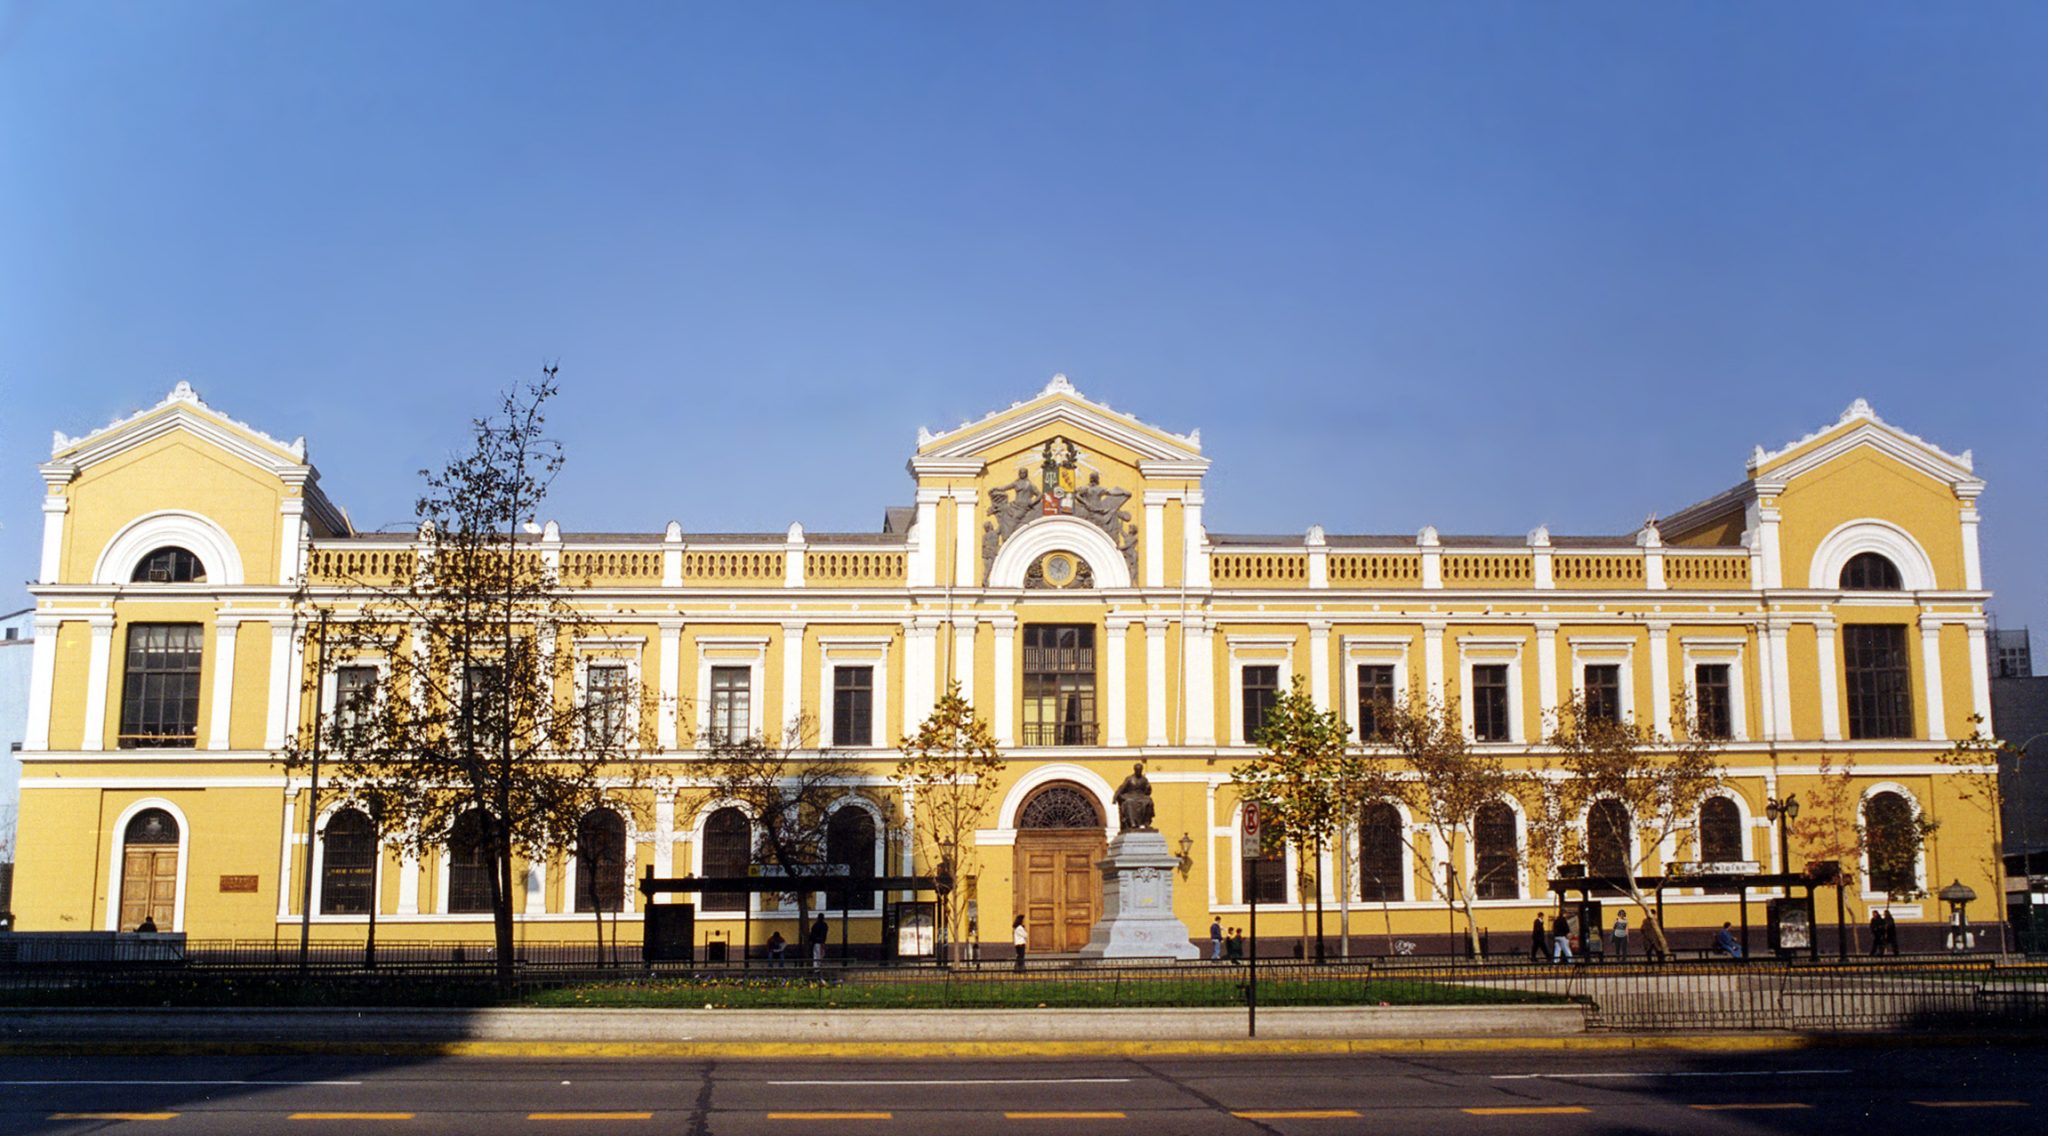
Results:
x,y
1782,813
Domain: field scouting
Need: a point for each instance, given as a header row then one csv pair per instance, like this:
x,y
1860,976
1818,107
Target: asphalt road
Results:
x,y
1860,1092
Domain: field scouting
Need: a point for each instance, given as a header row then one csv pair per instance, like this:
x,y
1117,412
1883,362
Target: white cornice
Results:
x,y
1910,449
1062,403
182,396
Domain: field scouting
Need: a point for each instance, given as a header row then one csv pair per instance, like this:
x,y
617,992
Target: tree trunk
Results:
x,y
1320,952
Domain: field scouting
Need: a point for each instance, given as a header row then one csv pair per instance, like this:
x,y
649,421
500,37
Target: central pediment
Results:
x,y
1059,408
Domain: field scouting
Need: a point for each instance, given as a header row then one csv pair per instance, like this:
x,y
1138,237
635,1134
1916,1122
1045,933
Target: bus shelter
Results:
x,y
658,935
1789,922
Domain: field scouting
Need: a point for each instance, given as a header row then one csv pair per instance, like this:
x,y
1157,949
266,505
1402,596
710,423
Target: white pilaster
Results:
x,y
1973,563
1779,710
41,681
1767,546
1980,677
664,834
291,536
537,887
1155,682
668,669
1433,660
98,665
966,540
1318,557
793,546
1319,663
280,683
963,657
1930,661
54,507
1154,547
1652,544
1003,680
923,568
1546,667
1116,688
224,630
1194,542
1199,725
672,556
292,836
1830,688
1431,549
920,670
793,676
1540,557
408,884
1660,678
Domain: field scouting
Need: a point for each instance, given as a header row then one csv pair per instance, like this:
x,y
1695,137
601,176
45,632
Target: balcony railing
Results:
x,y
1059,733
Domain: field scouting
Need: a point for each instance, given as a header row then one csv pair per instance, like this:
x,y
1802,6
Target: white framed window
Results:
x,y
1273,656
1726,653
838,654
1383,655
730,686
1490,671
608,688
1604,677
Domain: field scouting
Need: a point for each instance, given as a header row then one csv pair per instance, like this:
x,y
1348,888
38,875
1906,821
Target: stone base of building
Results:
x,y
1137,902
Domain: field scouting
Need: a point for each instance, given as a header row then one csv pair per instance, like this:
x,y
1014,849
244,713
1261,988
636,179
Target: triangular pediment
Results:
x,y
1860,427
1062,407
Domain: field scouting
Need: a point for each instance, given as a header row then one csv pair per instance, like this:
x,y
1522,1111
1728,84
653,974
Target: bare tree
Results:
x,y
474,729
1418,757
1299,780
951,767
1617,792
791,791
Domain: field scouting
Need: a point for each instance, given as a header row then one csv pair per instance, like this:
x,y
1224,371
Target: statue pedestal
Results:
x,y
1137,902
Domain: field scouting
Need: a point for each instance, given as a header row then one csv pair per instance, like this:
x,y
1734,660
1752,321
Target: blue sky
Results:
x,y
1481,266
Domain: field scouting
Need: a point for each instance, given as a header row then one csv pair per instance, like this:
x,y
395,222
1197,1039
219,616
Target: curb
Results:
x,y
1593,1043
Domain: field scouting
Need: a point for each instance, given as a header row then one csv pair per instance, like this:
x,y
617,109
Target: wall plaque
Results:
x,y
238,883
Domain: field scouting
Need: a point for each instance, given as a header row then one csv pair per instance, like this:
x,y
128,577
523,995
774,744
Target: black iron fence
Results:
x,y
1861,994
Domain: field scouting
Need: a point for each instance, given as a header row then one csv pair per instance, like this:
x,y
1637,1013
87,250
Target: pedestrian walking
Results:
x,y
820,931
1560,939
1620,936
1891,932
1020,938
1234,946
1215,940
1539,940
1876,933
1590,940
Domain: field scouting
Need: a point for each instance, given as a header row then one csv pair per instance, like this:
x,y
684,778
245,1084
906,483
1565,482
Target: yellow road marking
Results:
x,y
1972,1104
350,1116
112,1115
1064,1115
1300,1114
830,1115
590,1116
1533,1110
1746,1107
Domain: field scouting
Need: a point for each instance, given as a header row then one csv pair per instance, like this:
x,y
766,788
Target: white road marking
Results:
x,y
974,1081
1727,1073
180,1082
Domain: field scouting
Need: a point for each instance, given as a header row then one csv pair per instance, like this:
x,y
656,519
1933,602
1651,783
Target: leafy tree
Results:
x,y
1418,758
789,790
1973,763
1300,780
1657,782
950,768
475,711
1834,825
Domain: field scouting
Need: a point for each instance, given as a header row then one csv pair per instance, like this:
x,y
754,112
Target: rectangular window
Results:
x,y
484,709
1490,703
606,705
1261,689
160,697
1059,684
1716,715
355,696
1266,877
1880,686
1603,691
732,691
1375,689
853,706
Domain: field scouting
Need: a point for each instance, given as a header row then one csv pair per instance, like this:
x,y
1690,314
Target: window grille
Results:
x,y
160,693
1059,684
1490,702
1880,686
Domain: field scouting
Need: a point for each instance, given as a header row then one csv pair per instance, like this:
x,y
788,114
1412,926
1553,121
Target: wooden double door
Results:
x,y
1058,887
149,886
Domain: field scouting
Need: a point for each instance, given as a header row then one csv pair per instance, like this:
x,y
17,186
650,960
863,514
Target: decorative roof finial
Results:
x,y
1059,385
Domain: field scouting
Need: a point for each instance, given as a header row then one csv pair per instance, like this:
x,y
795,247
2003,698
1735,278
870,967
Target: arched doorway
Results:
x,y
149,871
1058,889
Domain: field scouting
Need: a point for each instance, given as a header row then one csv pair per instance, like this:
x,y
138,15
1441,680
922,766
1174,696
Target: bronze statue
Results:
x,y
1134,801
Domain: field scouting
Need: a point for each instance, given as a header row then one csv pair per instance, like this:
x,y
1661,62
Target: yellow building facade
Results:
x,y
1057,563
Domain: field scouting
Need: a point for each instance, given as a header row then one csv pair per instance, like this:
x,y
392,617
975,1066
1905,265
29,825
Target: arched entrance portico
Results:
x,y
1058,889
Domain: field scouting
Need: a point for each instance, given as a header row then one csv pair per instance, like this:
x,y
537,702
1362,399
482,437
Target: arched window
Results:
x,y
1891,839
348,864
1266,875
601,861
1607,839
1060,806
1496,860
1379,855
169,565
469,865
149,870
850,840
1720,831
1871,572
728,850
